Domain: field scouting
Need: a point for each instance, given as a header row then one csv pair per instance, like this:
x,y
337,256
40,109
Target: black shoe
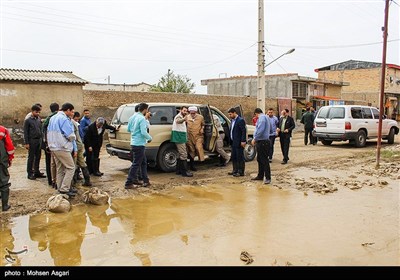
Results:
x,y
146,185
54,185
129,186
5,208
236,175
70,194
73,190
221,164
267,181
284,162
87,184
31,177
98,174
40,175
257,178
136,182
232,172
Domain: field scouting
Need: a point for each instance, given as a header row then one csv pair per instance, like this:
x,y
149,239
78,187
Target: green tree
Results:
x,y
171,82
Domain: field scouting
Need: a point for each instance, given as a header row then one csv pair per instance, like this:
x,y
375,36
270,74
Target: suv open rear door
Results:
x,y
210,131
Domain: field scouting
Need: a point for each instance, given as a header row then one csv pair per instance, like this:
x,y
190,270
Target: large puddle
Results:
x,y
212,225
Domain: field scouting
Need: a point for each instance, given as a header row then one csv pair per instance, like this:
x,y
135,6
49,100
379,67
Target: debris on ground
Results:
x,y
58,204
367,244
246,257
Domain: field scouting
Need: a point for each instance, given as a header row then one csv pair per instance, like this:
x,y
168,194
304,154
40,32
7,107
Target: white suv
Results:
x,y
351,122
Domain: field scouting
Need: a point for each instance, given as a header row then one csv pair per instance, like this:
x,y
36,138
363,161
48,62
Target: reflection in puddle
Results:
x,y
276,226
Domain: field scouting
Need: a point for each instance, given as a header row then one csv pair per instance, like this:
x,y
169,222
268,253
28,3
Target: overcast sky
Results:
x,y
138,41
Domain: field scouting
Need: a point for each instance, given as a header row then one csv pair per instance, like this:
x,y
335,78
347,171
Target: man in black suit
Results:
x,y
238,141
93,142
284,130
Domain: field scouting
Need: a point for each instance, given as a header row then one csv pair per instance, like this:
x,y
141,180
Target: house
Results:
x,y
364,80
142,87
20,89
306,90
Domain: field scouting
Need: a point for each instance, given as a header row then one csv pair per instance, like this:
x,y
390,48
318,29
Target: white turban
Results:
x,y
192,108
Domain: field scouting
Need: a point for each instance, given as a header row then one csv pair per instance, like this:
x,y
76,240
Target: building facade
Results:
x,y
364,80
143,87
20,89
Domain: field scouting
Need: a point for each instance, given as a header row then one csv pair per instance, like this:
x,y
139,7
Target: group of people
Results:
x,y
268,127
66,139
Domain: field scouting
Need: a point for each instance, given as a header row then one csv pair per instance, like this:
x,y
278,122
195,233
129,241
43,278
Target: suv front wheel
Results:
x,y
249,151
167,157
361,139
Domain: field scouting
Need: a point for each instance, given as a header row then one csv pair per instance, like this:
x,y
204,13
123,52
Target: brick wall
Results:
x,y
105,103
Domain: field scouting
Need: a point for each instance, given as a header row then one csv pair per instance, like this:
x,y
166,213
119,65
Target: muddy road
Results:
x,y
328,206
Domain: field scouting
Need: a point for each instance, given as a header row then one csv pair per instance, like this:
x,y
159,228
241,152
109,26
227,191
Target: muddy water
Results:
x,y
212,225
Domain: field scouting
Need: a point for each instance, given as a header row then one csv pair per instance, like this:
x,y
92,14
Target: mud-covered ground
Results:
x,y
328,206
341,166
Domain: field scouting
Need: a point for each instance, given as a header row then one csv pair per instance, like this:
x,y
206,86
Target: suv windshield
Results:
x,y
127,112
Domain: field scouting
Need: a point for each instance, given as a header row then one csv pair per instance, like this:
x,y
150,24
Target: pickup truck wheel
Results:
x,y
390,137
326,142
167,157
249,151
361,139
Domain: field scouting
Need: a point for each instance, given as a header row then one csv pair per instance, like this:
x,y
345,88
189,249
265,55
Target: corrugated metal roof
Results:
x,y
39,76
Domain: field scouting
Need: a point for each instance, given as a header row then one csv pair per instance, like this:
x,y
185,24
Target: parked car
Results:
x,y
352,122
160,151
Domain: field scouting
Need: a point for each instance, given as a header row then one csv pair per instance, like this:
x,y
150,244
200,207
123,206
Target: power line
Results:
x,y
270,54
174,42
186,32
219,61
114,24
331,47
98,57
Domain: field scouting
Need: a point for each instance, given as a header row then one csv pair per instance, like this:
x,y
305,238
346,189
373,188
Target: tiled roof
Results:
x,y
39,76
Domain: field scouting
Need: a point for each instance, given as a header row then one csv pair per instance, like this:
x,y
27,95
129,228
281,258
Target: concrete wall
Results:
x,y
104,104
275,86
117,87
16,99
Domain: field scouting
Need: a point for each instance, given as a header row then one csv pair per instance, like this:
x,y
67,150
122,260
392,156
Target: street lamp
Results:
x,y
261,78
288,52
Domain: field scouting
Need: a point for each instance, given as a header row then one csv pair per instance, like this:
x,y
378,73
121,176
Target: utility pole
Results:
x,y
261,55
383,74
108,79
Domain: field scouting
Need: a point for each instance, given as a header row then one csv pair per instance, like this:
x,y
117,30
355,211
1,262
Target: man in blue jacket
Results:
x,y
137,126
238,139
262,142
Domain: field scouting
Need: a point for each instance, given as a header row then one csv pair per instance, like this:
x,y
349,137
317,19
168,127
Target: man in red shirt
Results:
x,y
6,156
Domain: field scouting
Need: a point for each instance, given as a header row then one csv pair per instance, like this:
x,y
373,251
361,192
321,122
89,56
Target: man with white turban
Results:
x,y
195,129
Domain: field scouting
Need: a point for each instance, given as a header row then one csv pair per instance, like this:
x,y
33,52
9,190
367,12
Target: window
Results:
x,y
367,113
221,118
127,112
299,90
356,113
116,118
336,113
162,114
323,112
376,114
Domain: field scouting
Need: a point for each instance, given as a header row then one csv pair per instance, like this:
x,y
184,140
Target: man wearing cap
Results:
x,y
195,129
93,142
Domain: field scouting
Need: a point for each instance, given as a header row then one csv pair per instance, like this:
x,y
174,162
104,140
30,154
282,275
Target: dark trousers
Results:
x,y
284,138
308,135
237,158
139,160
48,166
262,147
92,156
271,146
34,154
